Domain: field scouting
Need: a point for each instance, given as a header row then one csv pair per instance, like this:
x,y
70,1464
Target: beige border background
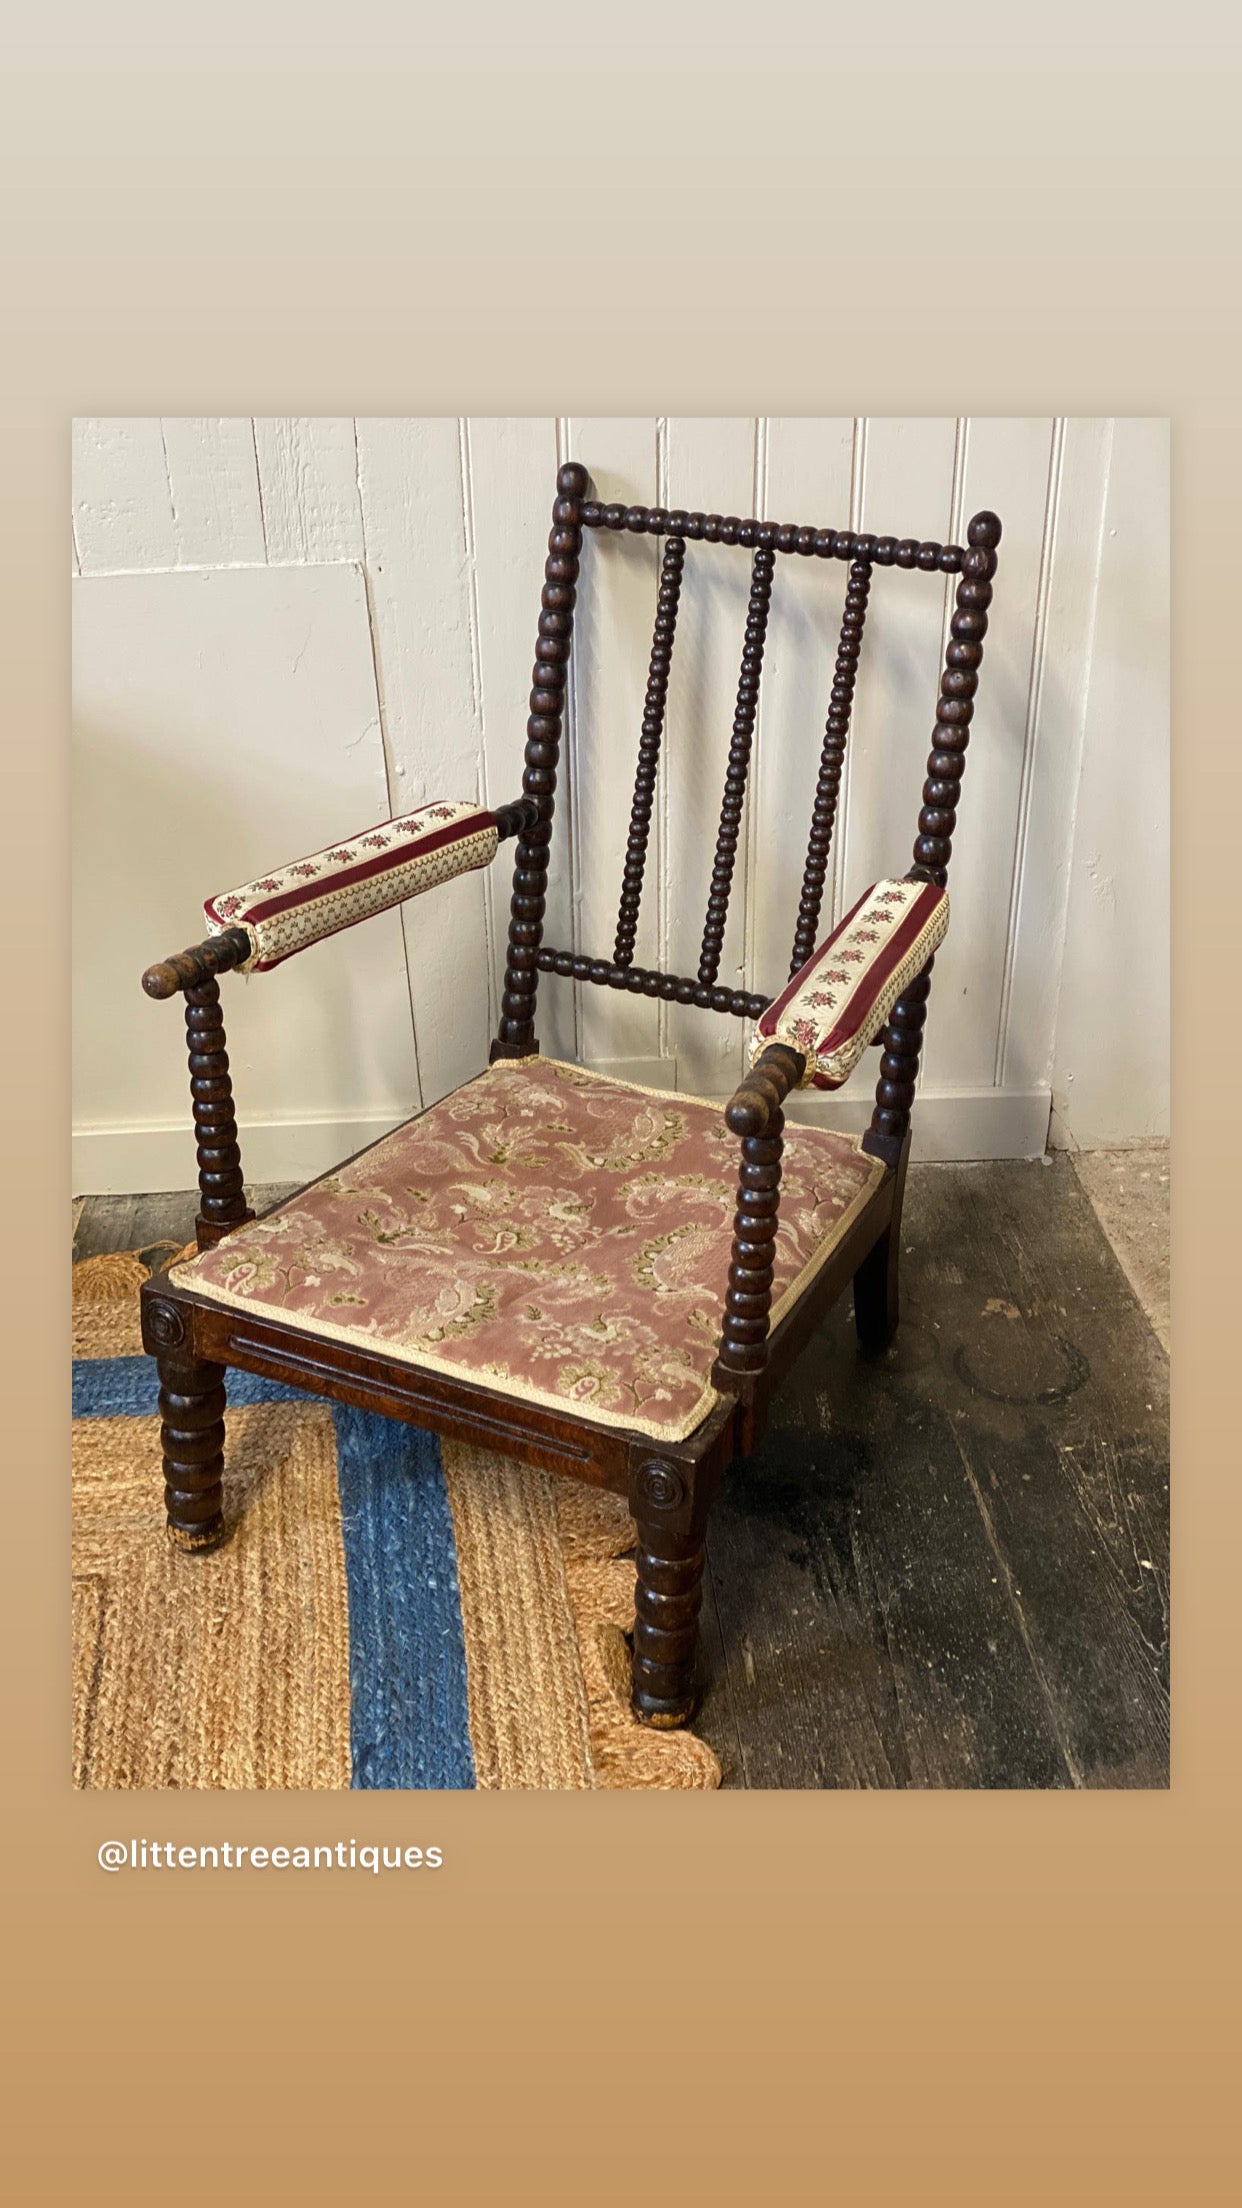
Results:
x,y
849,1998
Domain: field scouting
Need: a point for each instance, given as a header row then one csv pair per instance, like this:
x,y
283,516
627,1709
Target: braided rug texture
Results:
x,y
390,1612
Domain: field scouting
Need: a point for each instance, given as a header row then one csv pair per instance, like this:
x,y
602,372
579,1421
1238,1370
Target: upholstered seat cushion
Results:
x,y
836,1004
544,1231
299,903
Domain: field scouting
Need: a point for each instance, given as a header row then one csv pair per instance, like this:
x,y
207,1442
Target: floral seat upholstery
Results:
x,y
544,1231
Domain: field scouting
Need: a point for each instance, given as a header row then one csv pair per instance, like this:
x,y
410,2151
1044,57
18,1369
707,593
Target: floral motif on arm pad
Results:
x,y
836,1004
295,905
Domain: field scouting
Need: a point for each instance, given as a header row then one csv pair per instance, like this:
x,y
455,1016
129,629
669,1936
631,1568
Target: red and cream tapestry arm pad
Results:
x,y
296,904
836,1004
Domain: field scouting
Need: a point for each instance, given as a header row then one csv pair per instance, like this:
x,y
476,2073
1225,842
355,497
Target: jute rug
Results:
x,y
391,1611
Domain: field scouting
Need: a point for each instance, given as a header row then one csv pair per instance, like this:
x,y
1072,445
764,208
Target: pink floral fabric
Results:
x,y
295,905
544,1231
836,1004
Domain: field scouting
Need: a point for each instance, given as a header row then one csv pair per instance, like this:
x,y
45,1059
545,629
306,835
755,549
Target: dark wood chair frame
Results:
x,y
669,1486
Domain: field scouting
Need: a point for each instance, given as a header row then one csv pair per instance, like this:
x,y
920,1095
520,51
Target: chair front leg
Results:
x,y
192,1440
670,1508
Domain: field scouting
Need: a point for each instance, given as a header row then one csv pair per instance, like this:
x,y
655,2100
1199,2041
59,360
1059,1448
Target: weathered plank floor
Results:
x,y
948,1568
951,1568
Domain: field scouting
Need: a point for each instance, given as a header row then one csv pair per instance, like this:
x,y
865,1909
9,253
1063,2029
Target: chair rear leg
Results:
x,y
877,1307
192,1440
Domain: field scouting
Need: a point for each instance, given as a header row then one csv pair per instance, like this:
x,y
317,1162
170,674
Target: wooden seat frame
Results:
x,y
669,1486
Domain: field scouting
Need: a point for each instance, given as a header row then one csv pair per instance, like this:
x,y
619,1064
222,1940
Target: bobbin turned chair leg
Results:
x,y
670,1508
192,1440
666,1625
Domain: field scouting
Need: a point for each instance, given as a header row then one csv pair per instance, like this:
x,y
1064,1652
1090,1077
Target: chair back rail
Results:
x,y
574,511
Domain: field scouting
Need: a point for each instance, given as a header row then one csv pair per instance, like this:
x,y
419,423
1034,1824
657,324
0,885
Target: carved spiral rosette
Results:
x,y
659,1487
163,1323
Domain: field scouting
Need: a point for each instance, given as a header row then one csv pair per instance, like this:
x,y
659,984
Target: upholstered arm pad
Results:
x,y
295,905
837,1003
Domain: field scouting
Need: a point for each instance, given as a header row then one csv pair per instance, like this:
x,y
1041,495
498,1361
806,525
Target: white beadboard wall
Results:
x,y
284,630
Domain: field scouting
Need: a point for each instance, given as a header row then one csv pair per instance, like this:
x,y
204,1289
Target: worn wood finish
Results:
x,y
527,905
670,1491
188,969
756,1101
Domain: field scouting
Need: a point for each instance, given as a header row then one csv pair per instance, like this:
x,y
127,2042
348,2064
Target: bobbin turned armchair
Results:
x,y
586,1275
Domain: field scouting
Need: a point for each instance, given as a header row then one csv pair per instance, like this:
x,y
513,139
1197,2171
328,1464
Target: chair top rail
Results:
x,y
781,536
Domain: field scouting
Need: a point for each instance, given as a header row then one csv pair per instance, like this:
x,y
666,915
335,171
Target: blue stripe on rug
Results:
x,y
410,1717
128,1387
407,1650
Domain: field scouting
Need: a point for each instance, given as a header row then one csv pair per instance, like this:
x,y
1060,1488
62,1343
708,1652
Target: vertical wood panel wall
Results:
x,y
284,629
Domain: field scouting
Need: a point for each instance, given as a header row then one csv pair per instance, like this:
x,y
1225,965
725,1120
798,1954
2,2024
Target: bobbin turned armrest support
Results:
x,y
755,1114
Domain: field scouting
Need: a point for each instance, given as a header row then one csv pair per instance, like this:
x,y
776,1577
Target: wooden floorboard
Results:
x,y
106,1224
1083,1526
948,1567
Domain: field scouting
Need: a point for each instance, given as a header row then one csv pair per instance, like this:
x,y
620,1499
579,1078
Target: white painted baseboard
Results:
x,y
948,1126
137,1161
650,1073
